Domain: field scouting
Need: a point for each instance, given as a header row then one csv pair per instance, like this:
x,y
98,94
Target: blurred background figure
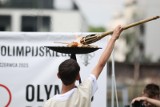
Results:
x,y
150,94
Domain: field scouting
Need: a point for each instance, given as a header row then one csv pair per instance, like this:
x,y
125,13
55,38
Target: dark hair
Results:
x,y
152,90
68,71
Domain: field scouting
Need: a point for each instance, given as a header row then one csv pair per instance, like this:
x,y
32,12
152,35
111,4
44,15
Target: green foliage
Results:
x,y
158,60
96,29
131,41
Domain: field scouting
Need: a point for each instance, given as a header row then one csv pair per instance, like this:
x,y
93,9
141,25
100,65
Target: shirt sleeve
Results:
x,y
93,80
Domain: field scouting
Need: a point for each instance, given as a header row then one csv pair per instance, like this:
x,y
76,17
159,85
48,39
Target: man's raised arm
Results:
x,y
107,52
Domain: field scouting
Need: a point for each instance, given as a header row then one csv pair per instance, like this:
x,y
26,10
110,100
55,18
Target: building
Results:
x,y
152,32
41,16
143,38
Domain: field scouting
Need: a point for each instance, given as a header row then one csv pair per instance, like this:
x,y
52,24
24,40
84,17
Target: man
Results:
x,y
150,96
80,96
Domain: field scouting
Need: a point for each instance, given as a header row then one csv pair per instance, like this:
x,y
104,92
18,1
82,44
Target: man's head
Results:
x,y
152,91
68,71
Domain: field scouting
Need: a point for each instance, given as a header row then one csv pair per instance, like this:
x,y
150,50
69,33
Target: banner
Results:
x,y
28,70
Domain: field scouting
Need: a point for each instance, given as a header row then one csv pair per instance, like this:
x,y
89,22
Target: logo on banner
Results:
x,y
86,58
9,98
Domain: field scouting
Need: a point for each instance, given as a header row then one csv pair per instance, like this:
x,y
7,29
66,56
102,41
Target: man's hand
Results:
x,y
139,99
117,32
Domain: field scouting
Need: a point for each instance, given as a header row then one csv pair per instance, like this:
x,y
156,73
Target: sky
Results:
x,y
99,12
96,12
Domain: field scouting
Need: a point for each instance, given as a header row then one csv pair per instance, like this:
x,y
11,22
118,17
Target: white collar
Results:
x,y
64,96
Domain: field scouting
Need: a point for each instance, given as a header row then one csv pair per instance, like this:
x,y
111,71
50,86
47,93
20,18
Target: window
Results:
x,y
36,23
5,23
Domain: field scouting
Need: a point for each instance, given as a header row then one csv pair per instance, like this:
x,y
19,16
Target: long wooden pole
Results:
x,y
95,37
131,25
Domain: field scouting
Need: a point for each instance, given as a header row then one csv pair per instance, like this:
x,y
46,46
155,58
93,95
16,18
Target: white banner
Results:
x,y
28,70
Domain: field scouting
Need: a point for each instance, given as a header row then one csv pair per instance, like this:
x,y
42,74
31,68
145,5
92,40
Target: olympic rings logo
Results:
x,y
9,93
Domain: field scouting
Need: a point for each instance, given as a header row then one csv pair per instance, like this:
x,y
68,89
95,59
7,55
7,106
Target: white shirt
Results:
x,y
77,97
